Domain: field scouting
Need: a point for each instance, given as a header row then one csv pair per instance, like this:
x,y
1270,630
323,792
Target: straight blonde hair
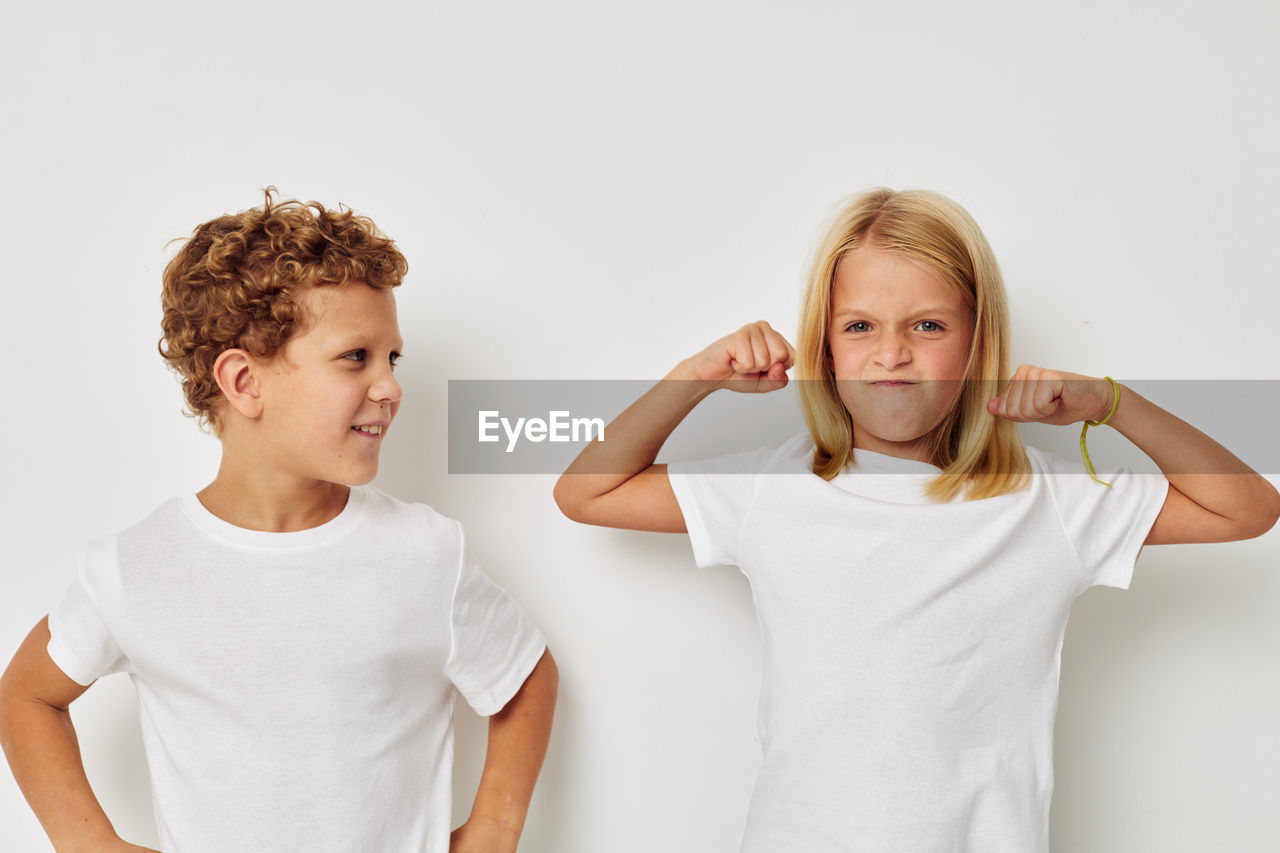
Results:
x,y
980,455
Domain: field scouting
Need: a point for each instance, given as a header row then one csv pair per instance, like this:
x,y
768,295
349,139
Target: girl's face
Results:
x,y
899,342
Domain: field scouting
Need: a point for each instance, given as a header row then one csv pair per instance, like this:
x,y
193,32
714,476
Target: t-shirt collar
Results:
x,y
200,516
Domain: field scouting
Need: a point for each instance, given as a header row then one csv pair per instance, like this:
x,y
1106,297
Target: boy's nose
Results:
x,y
386,389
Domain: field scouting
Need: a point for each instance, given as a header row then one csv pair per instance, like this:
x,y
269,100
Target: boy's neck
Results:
x,y
280,505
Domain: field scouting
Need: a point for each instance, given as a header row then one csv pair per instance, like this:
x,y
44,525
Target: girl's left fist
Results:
x,y
1039,395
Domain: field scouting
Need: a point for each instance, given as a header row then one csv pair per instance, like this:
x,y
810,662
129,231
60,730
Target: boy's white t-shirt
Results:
x,y
911,649
296,689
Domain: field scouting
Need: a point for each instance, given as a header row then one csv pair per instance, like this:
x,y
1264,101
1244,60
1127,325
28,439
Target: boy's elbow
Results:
x,y
4,711
11,704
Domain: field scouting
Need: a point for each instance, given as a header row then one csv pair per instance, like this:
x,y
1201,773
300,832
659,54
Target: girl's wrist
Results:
x,y
1111,401
685,374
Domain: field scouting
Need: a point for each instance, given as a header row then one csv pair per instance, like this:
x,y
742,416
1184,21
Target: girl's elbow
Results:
x,y
565,499
1272,514
1265,514
573,502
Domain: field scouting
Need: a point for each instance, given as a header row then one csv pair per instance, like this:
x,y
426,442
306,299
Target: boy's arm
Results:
x,y
43,752
1213,495
518,736
614,482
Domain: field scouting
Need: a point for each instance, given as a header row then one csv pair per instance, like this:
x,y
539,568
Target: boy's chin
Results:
x,y
360,478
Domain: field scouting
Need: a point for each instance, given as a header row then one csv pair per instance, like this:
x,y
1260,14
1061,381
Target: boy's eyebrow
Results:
x,y
358,342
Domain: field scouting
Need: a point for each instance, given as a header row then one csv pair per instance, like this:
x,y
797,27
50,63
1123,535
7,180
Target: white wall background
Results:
x,y
588,192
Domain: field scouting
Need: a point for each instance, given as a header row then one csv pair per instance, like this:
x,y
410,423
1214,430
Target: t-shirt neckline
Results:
x,y
869,461
202,518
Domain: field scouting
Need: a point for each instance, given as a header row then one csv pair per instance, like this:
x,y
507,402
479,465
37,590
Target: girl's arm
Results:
x,y
614,482
41,745
518,736
1213,495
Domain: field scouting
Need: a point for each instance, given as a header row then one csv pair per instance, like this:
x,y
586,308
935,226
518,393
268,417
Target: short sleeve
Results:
x,y
81,643
715,496
495,644
1106,526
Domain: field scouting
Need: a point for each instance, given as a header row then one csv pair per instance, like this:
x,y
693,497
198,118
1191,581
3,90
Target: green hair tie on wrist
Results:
x,y
1084,451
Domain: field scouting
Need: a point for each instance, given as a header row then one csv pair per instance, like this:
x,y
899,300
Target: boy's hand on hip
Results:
x,y
119,845
1039,395
482,837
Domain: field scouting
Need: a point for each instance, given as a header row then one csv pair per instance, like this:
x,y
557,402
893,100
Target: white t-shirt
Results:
x,y
296,690
911,649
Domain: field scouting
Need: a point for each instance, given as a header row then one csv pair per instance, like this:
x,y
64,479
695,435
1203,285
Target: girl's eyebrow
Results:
x,y
935,311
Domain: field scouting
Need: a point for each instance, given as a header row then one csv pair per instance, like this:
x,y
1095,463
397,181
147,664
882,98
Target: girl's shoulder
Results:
x,y
1047,462
793,456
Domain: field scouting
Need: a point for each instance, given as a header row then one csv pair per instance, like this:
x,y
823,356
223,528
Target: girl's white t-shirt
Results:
x,y
296,690
911,649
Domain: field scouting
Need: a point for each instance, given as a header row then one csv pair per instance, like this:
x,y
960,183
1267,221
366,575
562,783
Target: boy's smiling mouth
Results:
x,y
369,429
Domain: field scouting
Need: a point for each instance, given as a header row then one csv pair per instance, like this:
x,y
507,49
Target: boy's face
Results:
x,y
329,396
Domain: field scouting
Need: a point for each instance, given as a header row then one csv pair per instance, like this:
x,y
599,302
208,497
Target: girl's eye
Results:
x,y
934,326
858,326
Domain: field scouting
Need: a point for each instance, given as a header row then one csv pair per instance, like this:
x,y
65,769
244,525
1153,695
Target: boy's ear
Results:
x,y
234,373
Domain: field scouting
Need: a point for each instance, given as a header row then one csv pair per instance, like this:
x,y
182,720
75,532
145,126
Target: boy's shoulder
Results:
x,y
369,513
181,543
387,505
387,510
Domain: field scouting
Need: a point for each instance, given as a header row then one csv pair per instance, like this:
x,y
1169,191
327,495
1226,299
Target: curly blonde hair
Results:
x,y
235,284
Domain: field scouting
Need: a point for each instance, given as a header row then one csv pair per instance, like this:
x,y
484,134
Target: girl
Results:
x,y
912,563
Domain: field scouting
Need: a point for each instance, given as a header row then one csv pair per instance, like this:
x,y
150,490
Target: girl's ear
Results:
x,y
235,373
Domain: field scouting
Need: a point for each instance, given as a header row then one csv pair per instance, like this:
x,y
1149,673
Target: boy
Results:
x,y
295,637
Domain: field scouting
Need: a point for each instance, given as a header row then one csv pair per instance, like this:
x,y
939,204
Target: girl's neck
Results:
x,y
918,450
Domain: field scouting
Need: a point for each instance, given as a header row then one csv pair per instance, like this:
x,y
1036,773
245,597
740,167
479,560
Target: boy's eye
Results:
x,y
363,355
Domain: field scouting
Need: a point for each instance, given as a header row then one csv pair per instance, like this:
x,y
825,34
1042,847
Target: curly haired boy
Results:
x,y
297,638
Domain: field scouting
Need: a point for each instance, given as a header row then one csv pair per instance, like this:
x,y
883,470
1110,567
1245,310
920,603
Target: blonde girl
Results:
x,y
912,563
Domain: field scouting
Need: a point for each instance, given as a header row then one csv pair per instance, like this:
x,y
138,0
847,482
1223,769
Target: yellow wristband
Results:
x,y
1084,451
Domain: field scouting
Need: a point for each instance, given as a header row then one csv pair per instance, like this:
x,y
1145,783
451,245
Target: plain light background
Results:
x,y
591,190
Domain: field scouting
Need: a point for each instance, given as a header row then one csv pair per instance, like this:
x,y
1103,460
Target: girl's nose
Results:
x,y
892,351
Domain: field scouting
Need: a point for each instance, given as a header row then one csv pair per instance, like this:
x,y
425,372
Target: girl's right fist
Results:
x,y
753,359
